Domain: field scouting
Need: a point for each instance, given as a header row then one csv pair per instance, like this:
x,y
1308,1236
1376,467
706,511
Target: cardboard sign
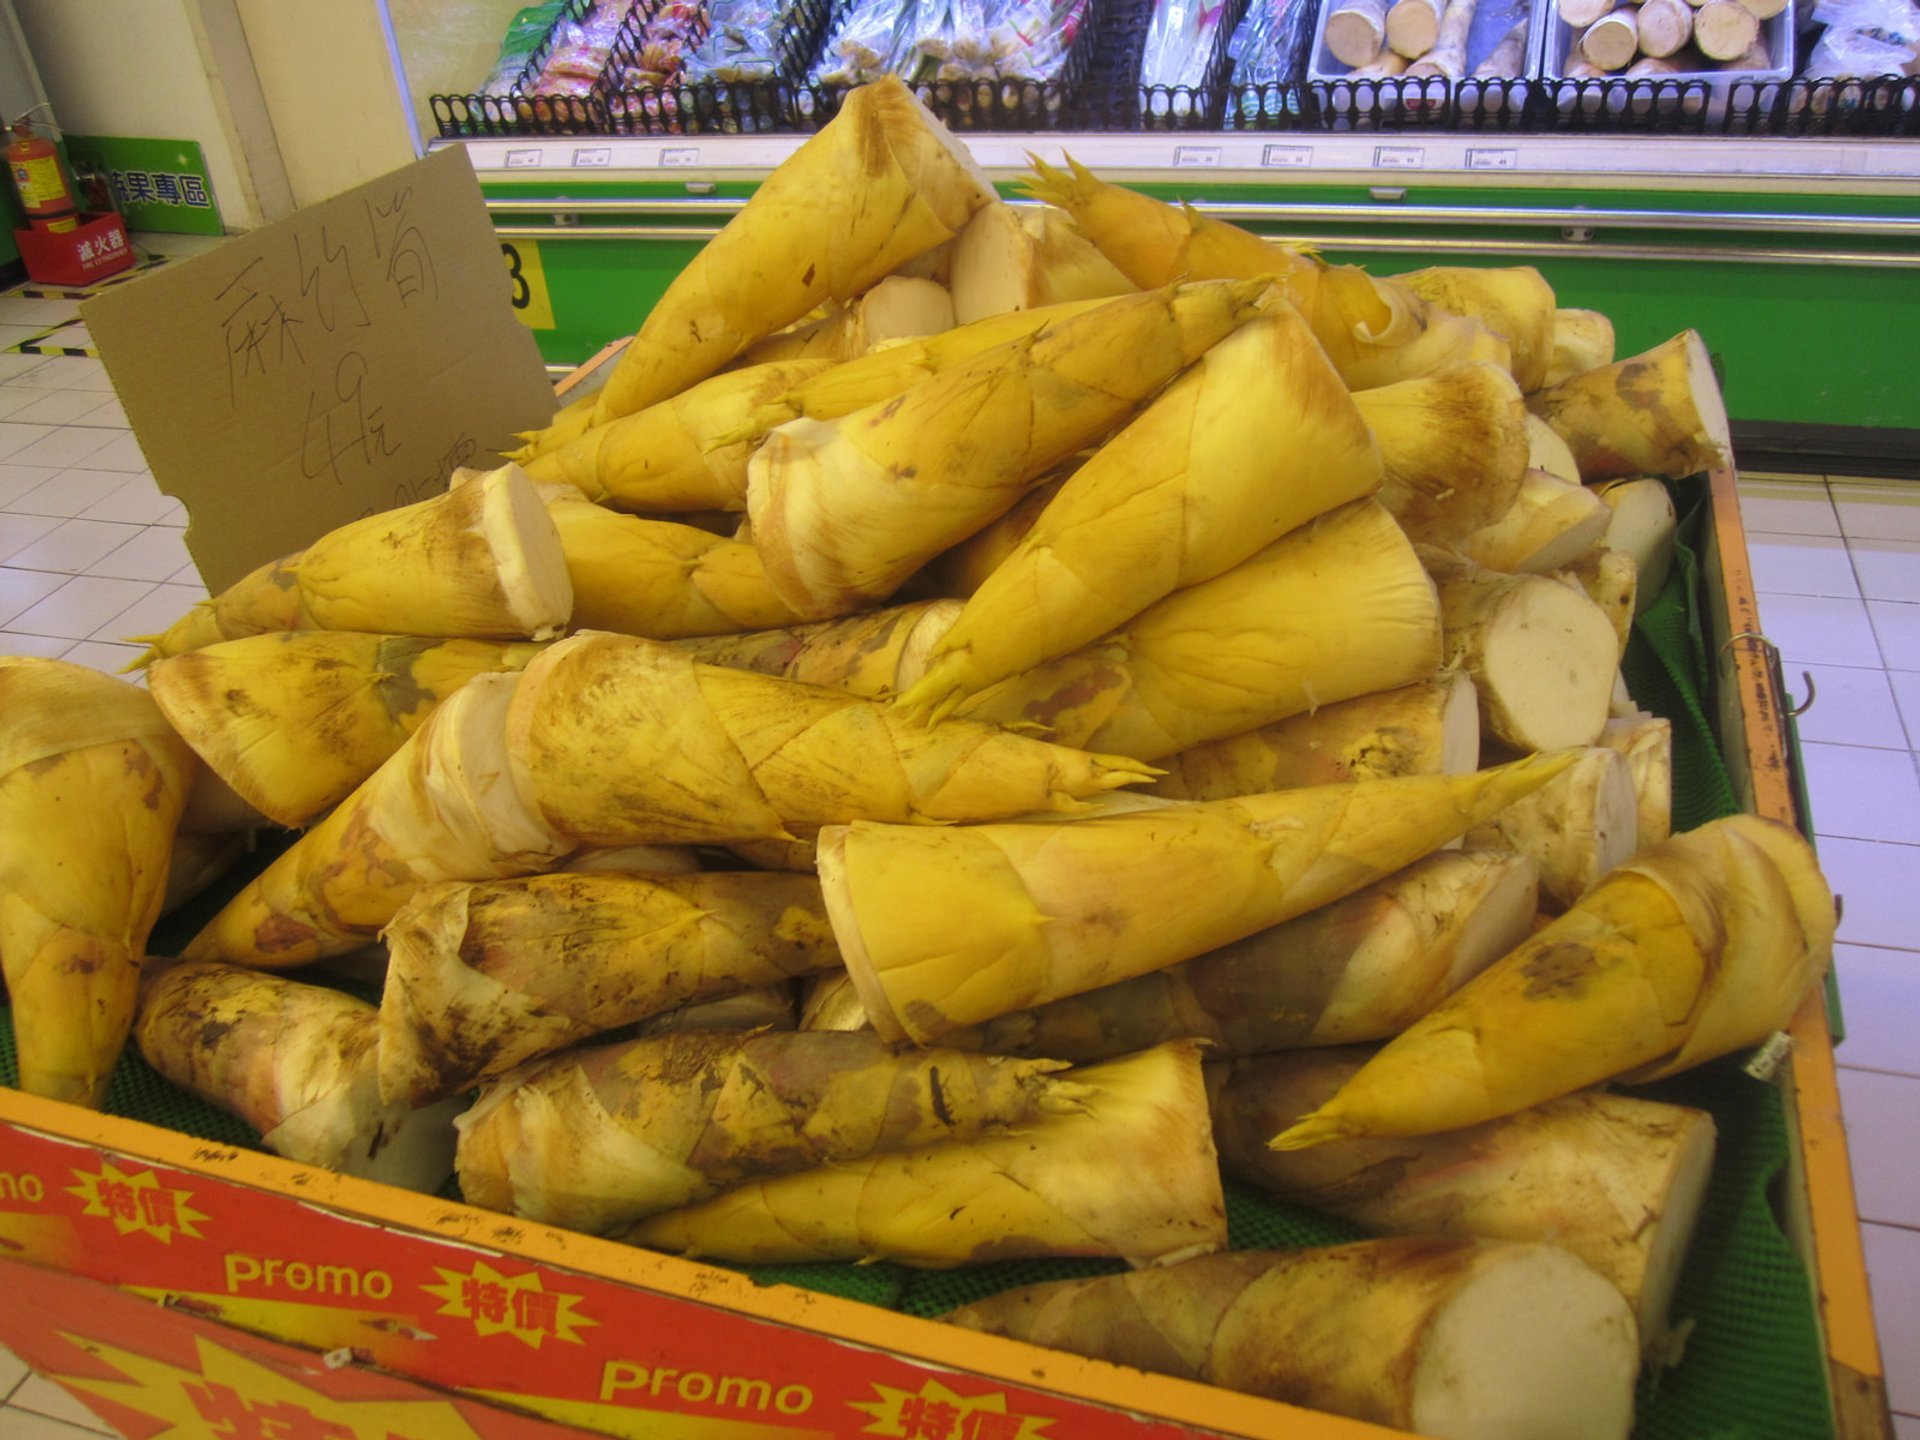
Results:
x,y
342,361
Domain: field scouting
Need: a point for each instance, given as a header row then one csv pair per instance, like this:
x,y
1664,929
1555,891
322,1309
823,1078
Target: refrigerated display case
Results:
x,y
1780,218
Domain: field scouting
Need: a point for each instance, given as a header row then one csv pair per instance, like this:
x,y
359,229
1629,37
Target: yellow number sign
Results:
x,y
529,281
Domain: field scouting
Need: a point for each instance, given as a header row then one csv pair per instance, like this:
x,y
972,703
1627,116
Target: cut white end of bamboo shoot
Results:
x,y
1582,340
1547,451
1356,30
1542,655
1508,59
1665,26
1759,55
1575,828
899,308
1386,66
1647,742
1613,40
1413,26
1579,14
1643,526
1551,523
1476,1340
1448,56
1724,29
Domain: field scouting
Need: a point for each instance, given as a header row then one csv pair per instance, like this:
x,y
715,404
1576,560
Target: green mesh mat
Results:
x,y
1753,1367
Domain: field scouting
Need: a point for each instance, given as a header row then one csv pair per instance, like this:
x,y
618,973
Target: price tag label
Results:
x,y
595,155
680,155
1196,156
517,159
1288,157
1493,159
1398,157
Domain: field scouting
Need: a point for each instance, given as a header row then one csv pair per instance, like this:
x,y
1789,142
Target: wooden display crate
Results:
x,y
165,1280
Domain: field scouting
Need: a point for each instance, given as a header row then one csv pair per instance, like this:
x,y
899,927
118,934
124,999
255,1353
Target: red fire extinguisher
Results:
x,y
46,194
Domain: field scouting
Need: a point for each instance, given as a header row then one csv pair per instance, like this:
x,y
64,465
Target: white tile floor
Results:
x,y
91,553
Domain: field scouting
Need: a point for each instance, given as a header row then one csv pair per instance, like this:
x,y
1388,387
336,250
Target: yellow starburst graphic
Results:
x,y
936,1413
519,1305
137,1203
233,1398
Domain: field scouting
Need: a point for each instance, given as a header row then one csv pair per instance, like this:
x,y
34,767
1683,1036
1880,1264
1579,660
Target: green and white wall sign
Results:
x,y
159,185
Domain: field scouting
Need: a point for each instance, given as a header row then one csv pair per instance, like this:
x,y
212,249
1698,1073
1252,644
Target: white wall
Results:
x,y
329,78
449,47
150,68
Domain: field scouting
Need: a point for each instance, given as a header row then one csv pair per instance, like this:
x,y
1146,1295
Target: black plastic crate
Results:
x,y
1011,104
707,106
1140,106
1885,105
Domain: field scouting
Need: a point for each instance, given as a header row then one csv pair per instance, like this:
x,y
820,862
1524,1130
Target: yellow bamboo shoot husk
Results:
x,y
1362,968
1431,727
875,653
1254,441
685,453
293,721
1516,303
92,783
1616,1180
445,806
1699,946
297,1062
844,511
1065,1184
624,741
599,1138
943,928
1462,1339
882,182
1454,446
658,578
481,977
1656,413
1243,649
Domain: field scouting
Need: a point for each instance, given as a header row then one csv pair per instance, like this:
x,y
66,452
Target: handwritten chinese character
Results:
x,y
346,427
260,334
194,191
326,278
409,259
166,188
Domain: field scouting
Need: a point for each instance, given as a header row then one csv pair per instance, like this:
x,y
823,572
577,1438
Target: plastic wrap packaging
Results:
x,y
1180,41
581,49
1266,45
653,58
526,33
1864,39
743,41
927,40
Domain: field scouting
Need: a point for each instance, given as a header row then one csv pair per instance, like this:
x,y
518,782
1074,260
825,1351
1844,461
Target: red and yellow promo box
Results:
x,y
94,249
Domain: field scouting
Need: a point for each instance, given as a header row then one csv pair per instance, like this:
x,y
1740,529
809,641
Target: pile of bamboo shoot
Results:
x,y
1131,617
1418,40
1646,39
